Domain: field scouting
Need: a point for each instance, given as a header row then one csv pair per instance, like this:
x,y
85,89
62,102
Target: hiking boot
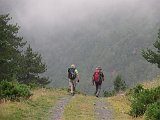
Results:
x,y
72,94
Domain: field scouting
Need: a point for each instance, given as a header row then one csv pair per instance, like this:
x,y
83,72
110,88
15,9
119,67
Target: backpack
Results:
x,y
72,73
96,75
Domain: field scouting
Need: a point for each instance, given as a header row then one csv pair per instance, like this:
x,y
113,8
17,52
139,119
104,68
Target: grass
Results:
x,y
151,84
80,108
36,108
121,105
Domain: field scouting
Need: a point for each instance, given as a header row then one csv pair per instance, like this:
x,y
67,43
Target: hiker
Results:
x,y
73,77
97,79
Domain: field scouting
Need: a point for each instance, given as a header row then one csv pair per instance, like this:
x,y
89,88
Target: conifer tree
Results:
x,y
10,44
119,84
153,56
31,66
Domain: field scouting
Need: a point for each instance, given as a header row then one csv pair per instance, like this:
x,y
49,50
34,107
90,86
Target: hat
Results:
x,y
99,68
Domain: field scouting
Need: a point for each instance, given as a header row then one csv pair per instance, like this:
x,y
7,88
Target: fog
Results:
x,y
88,33
64,14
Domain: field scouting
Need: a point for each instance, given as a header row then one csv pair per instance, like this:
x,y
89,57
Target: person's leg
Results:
x,y
99,90
71,86
74,86
96,88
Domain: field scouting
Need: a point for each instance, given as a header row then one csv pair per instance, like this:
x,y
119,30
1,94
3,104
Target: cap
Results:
x,y
99,68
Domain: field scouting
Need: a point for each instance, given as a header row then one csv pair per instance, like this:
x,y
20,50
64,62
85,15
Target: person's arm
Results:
x,y
77,75
68,72
102,76
93,79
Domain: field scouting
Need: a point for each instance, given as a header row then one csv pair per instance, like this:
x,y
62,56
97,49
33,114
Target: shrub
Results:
x,y
13,91
153,111
33,85
135,91
138,103
119,84
141,98
108,93
138,89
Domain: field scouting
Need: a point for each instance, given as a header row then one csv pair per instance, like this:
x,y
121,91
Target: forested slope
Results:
x,y
109,34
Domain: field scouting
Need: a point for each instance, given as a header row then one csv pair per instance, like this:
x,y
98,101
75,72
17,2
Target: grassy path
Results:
x,y
80,108
103,110
58,109
87,108
36,108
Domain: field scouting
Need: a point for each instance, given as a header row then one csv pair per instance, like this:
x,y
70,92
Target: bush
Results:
x,y
141,98
13,91
135,91
138,103
33,85
138,89
153,111
119,84
108,93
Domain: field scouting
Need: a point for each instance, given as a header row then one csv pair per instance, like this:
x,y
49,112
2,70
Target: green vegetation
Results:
x,y
10,43
16,63
141,98
36,108
150,55
122,105
13,91
119,85
153,111
19,65
109,93
146,101
80,108
31,66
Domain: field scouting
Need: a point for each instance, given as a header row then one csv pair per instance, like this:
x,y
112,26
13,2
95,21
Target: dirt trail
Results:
x,y
103,110
58,110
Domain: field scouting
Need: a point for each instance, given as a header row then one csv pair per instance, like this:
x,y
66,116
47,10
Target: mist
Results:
x,y
89,33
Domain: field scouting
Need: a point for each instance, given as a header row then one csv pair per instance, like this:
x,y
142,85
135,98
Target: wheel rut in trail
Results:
x,y
58,110
103,110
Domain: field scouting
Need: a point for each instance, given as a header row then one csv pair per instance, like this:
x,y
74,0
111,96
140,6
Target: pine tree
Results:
x,y
153,56
31,66
10,44
119,84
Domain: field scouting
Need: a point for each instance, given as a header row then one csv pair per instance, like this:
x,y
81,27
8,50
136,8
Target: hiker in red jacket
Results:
x,y
97,78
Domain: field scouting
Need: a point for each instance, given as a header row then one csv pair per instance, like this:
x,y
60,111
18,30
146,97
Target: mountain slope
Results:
x,y
90,33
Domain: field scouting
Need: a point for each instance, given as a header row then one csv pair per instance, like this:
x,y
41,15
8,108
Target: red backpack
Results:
x,y
96,75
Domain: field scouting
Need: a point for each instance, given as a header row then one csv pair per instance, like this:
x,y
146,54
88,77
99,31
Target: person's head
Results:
x,y
73,66
99,68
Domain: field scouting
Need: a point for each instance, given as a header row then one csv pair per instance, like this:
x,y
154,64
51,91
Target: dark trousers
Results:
x,y
98,88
